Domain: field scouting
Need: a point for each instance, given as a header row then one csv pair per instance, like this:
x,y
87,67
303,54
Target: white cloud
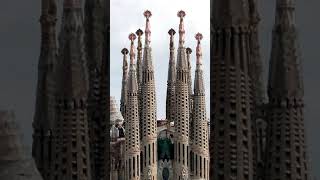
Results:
x,y
127,16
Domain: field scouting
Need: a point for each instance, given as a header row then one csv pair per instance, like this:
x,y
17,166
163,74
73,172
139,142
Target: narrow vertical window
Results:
x,y
153,152
149,148
145,156
138,158
183,154
134,166
196,164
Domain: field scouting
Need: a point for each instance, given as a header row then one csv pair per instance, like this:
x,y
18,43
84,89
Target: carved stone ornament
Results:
x,y
184,174
149,174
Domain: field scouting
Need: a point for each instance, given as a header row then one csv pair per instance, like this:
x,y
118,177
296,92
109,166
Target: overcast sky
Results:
x,y
127,16
20,41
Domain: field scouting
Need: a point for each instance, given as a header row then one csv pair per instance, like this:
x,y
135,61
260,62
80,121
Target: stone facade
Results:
x,y
231,92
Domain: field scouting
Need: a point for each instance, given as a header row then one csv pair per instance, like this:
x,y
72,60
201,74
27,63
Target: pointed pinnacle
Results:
x,y
147,14
132,37
181,14
125,63
198,37
172,32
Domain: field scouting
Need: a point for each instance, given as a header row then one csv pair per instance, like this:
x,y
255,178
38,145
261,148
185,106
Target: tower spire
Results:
x,y
286,101
232,156
72,126
139,33
124,81
132,157
147,14
132,37
181,14
170,101
199,50
181,134
199,149
44,110
149,109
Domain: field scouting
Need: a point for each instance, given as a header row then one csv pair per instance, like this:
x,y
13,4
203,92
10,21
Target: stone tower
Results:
x,y
124,87
149,109
71,141
189,51
199,164
170,101
94,29
139,33
231,130
181,134
286,153
44,110
132,149
258,92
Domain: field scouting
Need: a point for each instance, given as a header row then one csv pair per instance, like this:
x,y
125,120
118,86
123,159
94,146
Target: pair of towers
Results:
x,y
69,123
237,147
138,104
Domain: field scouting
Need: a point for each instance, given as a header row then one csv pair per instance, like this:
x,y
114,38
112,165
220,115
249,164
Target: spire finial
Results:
x,y
71,4
139,33
147,14
199,37
124,51
189,51
125,63
132,37
172,32
181,14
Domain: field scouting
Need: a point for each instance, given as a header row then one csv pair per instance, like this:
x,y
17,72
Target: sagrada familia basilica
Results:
x,y
249,137
161,149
